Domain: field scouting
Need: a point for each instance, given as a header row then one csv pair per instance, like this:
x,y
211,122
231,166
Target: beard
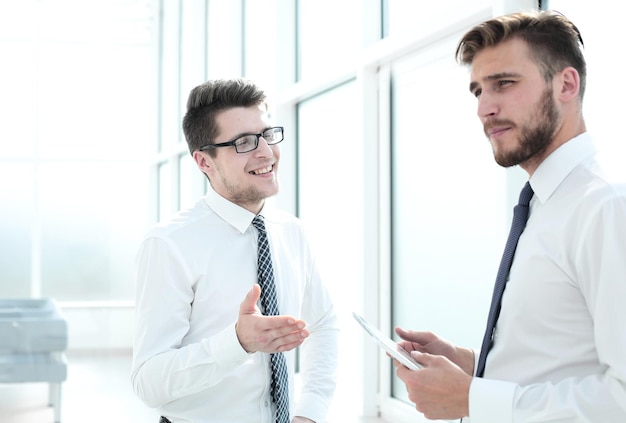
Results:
x,y
249,195
534,136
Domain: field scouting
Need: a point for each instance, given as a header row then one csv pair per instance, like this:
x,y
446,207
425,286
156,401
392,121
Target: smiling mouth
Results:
x,y
262,171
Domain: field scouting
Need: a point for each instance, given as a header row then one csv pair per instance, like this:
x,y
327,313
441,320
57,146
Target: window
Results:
x,y
407,18
329,37
330,163
77,120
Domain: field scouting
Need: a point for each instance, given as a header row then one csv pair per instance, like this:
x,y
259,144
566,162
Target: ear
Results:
x,y
569,81
204,162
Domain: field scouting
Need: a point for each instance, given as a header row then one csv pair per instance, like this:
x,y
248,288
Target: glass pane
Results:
x,y
170,113
448,218
93,219
412,18
225,38
18,135
260,61
78,107
165,190
94,66
192,53
95,108
17,205
332,208
330,37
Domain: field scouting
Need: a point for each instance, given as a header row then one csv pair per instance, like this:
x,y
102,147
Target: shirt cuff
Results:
x,y
491,401
225,348
312,407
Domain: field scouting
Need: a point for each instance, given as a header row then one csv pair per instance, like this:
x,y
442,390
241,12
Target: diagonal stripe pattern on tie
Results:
x,y
279,386
520,216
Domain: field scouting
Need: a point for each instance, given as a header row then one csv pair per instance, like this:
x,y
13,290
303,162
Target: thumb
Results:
x,y
248,305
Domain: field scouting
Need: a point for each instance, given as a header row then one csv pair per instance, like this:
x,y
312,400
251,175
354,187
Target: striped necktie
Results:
x,y
279,386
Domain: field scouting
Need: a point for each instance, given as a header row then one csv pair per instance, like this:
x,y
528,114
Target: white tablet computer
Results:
x,y
395,350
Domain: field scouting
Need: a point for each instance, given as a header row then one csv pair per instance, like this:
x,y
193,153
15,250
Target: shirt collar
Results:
x,y
555,168
231,213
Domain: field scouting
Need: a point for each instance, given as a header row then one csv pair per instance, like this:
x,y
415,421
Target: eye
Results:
x,y
246,140
504,82
269,135
477,92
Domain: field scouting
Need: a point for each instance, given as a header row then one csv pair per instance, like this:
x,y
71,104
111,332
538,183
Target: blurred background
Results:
x,y
382,146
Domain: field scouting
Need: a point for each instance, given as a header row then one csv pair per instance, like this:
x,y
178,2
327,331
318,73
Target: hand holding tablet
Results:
x,y
395,350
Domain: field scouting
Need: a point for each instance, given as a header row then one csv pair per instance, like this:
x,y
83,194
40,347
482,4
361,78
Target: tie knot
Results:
x,y
259,223
526,194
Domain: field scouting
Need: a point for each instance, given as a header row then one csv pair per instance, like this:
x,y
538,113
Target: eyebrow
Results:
x,y
494,77
243,134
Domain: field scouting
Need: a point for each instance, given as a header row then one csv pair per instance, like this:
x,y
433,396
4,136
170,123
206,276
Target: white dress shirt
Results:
x,y
193,273
559,353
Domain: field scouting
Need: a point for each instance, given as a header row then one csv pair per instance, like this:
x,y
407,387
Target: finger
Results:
x,y
402,371
404,334
248,305
407,345
290,346
289,341
282,338
282,325
422,338
422,358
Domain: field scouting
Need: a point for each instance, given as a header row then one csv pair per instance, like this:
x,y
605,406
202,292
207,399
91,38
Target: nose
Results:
x,y
487,106
264,149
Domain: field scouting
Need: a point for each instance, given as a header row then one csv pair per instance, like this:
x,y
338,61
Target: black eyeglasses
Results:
x,y
249,142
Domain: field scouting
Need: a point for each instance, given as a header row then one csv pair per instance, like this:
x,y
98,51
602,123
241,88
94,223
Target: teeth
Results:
x,y
263,171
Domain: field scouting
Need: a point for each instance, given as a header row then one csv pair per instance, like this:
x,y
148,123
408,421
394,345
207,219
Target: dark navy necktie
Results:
x,y
520,216
279,385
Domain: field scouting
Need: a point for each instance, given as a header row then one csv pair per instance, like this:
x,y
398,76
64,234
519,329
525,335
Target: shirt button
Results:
x,y
267,403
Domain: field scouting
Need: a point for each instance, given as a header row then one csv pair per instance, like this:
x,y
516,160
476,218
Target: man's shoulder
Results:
x,y
182,221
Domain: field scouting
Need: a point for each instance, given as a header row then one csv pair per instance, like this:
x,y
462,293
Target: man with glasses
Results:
x,y
205,349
